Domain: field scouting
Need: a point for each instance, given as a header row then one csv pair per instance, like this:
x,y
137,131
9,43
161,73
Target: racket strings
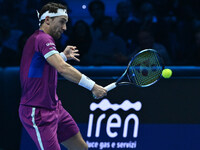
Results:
x,y
146,68
148,74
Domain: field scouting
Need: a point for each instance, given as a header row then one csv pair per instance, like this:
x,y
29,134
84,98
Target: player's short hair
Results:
x,y
52,8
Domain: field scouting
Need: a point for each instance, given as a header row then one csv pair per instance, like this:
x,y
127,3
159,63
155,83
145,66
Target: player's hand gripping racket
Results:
x,y
144,69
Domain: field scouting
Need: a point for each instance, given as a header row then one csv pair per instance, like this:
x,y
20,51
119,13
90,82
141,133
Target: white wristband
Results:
x,y
86,82
63,56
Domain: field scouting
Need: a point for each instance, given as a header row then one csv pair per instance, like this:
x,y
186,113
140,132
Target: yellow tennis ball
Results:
x,y
167,73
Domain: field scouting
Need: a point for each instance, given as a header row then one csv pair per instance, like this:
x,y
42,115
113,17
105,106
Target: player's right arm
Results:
x,y
72,74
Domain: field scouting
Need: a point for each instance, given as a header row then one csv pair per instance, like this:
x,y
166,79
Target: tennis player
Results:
x,y
40,110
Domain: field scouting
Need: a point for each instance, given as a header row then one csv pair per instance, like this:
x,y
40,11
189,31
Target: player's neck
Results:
x,y
44,29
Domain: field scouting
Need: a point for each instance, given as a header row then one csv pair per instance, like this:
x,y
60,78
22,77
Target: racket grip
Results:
x,y
110,86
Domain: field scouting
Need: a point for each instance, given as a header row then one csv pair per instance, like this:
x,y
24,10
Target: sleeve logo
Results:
x,y
50,44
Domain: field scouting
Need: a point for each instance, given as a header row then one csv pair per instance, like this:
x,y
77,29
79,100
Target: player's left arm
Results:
x,y
72,74
65,69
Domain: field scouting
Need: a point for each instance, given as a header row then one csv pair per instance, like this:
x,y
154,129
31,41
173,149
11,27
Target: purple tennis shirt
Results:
x,y
38,78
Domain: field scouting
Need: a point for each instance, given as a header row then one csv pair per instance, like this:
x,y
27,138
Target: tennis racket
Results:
x,y
143,70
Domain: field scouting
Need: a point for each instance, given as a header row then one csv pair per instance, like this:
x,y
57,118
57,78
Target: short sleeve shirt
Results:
x,y
38,78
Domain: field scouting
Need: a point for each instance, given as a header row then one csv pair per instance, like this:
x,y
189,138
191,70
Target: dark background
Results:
x,y
172,25
170,108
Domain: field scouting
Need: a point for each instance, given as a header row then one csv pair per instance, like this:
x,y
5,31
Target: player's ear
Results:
x,y
47,20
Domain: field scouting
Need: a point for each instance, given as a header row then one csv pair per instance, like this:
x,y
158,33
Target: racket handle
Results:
x,y
110,86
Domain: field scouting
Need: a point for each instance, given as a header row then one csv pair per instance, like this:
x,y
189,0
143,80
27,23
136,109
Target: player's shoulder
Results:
x,y
42,35
44,38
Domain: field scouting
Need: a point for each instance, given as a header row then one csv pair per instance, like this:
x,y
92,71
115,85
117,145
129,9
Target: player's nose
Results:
x,y
64,27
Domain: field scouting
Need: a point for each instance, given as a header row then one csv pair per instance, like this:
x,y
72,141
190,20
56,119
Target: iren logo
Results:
x,y
114,120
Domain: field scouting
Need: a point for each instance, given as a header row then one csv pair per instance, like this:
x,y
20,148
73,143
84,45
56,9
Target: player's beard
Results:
x,y
56,34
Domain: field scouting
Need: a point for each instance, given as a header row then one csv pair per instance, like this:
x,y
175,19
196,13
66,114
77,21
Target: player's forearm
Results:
x,y
70,73
73,75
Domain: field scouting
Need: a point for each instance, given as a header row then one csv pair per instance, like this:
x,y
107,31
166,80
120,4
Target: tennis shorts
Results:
x,y
46,127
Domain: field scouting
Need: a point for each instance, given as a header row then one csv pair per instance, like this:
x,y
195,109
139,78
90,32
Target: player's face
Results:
x,y
58,26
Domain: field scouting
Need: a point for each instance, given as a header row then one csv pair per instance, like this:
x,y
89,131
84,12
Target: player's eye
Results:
x,y
63,22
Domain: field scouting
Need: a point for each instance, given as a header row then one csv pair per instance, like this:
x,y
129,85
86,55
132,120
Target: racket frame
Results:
x,y
118,83
133,58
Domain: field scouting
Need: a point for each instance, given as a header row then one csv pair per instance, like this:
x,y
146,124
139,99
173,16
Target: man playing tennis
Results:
x,y
40,110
